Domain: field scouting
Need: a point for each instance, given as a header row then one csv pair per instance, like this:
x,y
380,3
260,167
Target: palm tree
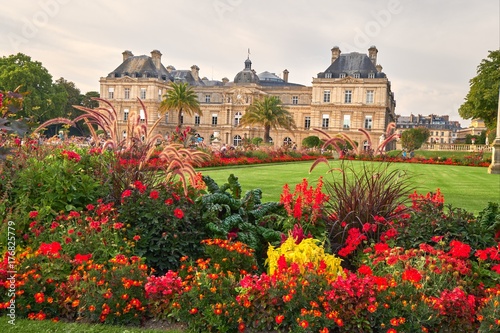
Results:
x,y
269,113
181,98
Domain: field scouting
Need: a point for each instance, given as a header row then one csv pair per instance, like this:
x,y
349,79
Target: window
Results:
x,y
160,93
368,122
214,119
432,133
348,96
197,120
356,75
166,118
126,93
347,121
369,97
142,116
125,114
328,75
237,140
307,122
111,93
295,100
182,118
287,141
442,133
326,121
207,98
371,75
342,75
366,145
326,96
143,93
237,118
124,134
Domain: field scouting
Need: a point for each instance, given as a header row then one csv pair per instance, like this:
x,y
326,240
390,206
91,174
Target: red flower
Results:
x,y
80,258
411,274
33,214
140,186
365,270
279,319
459,249
154,194
117,225
169,201
304,324
71,155
178,213
126,194
136,237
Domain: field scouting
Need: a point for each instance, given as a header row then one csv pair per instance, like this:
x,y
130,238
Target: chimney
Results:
x,y
127,54
285,75
194,72
372,54
170,68
225,80
335,53
379,68
156,56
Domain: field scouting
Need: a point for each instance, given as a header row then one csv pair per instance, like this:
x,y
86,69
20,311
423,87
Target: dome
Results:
x,y
247,75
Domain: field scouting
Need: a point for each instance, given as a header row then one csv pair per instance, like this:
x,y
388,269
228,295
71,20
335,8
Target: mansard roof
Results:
x,y
351,64
140,66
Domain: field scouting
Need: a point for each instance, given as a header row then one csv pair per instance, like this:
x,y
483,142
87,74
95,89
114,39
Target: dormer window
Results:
x,y
328,75
356,75
342,75
371,75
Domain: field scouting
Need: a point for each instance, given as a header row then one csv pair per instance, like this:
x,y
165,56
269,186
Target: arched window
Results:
x,y
236,140
287,141
237,118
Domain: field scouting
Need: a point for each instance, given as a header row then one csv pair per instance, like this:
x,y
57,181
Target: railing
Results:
x,y
456,147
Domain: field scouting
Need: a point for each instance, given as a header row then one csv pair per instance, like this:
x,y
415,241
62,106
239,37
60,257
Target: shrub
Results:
x,y
165,224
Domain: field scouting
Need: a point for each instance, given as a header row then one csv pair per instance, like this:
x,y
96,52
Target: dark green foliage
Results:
x,y
164,237
451,223
413,138
246,219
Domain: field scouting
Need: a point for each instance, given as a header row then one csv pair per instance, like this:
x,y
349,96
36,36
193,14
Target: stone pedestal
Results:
x,y
494,167
495,154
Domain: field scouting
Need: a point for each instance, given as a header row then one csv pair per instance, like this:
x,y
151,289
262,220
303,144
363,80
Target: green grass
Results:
x,y
470,188
46,326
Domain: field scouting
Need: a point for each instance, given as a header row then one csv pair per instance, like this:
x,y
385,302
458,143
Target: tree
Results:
x,y
312,141
88,100
181,98
269,113
413,138
482,100
42,101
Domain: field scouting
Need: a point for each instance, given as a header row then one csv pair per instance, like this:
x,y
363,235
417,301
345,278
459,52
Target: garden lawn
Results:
x,y
469,188
47,326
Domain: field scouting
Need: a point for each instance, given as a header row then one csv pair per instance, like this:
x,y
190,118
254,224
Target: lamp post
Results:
x,y
494,167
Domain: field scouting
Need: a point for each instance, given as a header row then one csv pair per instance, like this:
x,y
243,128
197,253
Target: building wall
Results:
x,y
228,100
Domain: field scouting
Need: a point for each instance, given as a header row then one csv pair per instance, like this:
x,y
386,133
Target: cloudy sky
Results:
x,y
429,49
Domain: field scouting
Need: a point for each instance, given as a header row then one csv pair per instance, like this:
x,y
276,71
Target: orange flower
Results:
x,y
193,311
39,297
304,324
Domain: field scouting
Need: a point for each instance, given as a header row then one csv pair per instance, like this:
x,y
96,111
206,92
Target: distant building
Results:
x,y
475,128
351,93
441,129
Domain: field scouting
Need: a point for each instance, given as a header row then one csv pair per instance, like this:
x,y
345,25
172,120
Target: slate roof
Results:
x,y
270,79
140,66
351,64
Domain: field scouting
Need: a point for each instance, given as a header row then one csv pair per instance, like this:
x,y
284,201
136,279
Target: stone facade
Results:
x,y
351,93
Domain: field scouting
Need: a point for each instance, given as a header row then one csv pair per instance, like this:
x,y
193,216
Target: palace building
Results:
x,y
351,93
